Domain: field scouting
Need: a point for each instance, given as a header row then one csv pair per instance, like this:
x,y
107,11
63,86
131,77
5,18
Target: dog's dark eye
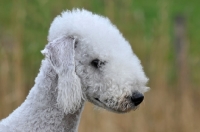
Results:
x,y
97,63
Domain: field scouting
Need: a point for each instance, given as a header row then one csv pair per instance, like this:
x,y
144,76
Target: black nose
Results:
x,y
137,98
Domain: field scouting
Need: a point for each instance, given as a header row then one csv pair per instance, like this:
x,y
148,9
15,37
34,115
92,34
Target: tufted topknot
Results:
x,y
82,23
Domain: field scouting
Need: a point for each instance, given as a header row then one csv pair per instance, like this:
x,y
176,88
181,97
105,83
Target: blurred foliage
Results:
x,y
147,25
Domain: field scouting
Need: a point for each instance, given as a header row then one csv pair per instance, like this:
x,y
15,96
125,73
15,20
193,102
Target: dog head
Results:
x,y
94,62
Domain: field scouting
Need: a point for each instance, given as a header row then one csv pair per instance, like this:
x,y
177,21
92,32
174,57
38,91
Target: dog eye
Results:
x,y
97,63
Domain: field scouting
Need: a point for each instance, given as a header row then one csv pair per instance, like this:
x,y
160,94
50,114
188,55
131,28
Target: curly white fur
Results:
x,y
86,59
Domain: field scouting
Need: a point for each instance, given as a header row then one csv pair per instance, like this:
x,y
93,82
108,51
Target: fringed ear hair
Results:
x,y
60,54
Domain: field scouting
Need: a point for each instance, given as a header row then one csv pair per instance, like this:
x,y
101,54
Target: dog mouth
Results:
x,y
97,99
117,108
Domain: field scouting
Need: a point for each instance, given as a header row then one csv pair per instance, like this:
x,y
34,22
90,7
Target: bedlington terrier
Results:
x,y
86,59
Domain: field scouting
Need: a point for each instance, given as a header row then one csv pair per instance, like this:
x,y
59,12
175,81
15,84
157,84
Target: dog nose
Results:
x,y
137,98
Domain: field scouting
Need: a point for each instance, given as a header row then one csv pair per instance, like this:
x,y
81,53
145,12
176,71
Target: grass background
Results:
x,y
172,104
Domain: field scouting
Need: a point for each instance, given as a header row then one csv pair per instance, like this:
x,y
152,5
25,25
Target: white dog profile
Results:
x,y
86,59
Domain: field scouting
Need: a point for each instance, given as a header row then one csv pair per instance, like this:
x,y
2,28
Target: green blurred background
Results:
x,y
163,33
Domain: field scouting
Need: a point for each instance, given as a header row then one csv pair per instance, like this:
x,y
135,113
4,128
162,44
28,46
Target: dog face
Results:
x,y
102,63
110,78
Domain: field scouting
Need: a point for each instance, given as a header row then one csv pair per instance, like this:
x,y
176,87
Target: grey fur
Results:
x,y
86,59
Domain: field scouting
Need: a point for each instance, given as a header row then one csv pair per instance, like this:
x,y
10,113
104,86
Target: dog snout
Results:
x,y
137,98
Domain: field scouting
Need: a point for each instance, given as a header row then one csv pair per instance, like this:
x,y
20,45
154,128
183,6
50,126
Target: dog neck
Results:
x,y
47,82
40,112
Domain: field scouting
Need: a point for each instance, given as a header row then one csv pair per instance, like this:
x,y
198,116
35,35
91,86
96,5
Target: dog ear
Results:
x,y
60,54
